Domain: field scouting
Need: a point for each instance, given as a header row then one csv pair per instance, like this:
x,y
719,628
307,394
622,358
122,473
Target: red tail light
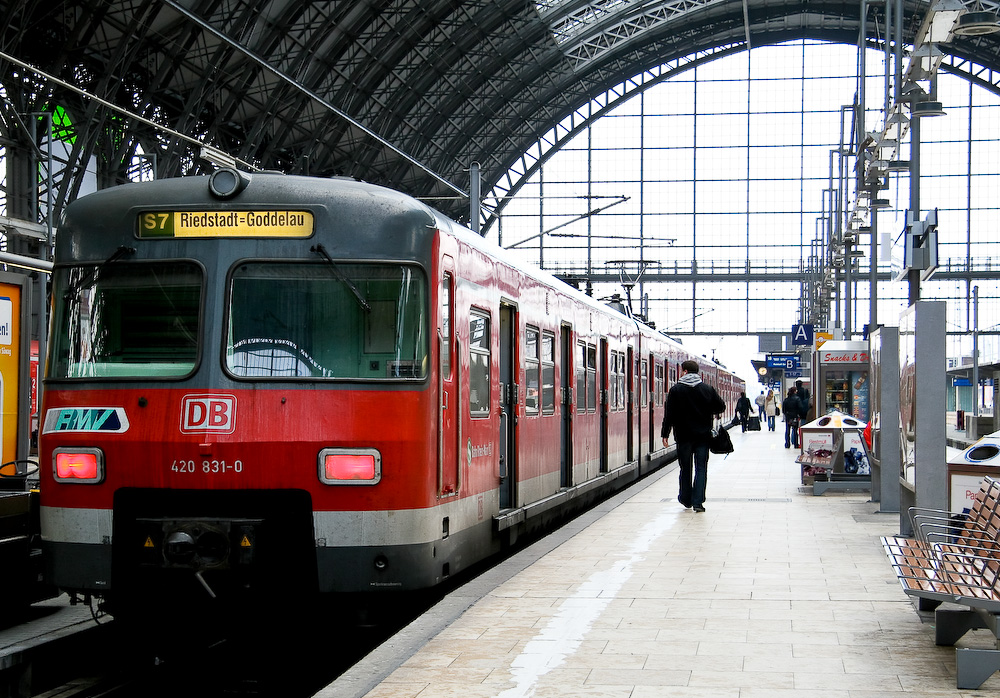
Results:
x,y
78,465
346,466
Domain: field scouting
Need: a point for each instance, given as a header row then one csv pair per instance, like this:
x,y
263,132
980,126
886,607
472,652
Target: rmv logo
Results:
x,y
214,413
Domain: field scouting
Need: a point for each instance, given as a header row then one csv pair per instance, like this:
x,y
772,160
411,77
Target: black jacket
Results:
x,y
792,408
691,411
743,405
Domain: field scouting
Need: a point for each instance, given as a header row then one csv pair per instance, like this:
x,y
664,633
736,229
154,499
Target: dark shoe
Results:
x,y
699,509
787,446
687,505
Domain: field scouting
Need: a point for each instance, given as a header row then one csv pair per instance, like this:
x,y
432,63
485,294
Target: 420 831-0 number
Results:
x,y
207,467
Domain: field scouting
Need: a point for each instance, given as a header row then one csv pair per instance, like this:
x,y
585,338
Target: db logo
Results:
x,y
214,413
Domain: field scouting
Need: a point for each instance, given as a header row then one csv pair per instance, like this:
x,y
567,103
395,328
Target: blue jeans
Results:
x,y
770,423
692,456
792,434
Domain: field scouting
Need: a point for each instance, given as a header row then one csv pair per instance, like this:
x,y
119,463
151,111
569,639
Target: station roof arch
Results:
x,y
405,93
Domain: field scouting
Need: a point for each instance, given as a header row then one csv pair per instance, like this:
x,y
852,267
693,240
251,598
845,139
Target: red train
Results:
x,y
282,383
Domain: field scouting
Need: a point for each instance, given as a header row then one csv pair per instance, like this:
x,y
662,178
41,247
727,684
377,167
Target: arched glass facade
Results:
x,y
719,185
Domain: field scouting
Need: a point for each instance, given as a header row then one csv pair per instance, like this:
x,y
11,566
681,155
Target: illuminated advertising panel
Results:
x,y
13,367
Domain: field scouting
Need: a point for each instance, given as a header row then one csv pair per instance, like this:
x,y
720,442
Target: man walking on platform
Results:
x,y
692,406
743,410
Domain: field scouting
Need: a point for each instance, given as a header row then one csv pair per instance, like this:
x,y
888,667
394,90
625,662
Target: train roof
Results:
x,y
96,224
110,214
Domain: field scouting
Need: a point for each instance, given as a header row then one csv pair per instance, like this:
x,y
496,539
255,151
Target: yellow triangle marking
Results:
x,y
149,542
245,543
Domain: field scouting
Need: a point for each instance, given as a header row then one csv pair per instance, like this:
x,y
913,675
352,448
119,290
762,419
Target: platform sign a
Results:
x,y
802,335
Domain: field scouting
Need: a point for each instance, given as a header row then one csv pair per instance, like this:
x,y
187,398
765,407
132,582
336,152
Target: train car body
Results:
x,y
277,383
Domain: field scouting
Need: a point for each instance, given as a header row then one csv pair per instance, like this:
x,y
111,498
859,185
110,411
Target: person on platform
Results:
x,y
692,407
802,393
791,407
743,410
770,409
759,401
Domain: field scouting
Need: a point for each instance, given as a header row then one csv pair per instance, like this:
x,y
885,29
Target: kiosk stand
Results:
x,y
834,454
841,382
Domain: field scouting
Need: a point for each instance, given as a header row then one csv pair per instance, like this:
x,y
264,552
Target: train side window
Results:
x,y
645,382
658,387
581,377
622,370
616,380
446,325
612,370
479,364
591,378
548,373
531,370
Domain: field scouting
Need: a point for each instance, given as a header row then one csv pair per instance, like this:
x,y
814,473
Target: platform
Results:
x,y
771,592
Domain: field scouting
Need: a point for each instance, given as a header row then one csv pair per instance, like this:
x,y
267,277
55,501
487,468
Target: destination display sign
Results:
x,y
225,224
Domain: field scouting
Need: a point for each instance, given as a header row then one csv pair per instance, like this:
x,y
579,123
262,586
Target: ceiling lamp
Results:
x,y
898,165
977,24
880,203
927,108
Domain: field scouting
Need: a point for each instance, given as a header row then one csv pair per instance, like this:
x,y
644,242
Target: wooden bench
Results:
x,y
955,557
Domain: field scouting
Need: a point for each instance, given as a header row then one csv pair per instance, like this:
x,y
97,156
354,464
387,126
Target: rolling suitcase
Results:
x,y
753,424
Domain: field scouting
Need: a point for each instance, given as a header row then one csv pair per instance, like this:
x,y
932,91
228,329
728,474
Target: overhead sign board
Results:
x,y
225,224
802,335
787,362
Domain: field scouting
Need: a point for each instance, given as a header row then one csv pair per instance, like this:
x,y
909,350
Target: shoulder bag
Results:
x,y
720,443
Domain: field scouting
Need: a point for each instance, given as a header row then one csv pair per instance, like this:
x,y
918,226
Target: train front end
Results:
x,y
237,397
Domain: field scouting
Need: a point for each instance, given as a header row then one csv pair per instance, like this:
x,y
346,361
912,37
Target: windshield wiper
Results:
x,y
320,250
74,288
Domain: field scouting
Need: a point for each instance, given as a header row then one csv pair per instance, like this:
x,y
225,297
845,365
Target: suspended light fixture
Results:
x,y
928,108
977,23
898,165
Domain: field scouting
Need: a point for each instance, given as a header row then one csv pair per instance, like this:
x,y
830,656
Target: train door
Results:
x,y
631,366
649,369
566,405
449,431
602,389
508,405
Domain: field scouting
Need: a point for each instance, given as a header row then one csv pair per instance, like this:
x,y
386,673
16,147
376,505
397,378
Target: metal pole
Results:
x,y
913,275
474,194
873,267
43,279
975,351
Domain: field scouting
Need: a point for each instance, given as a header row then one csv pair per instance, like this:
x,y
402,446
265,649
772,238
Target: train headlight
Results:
x,y
350,466
227,182
84,466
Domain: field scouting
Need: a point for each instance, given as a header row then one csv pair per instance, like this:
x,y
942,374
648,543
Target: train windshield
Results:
x,y
327,320
126,320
